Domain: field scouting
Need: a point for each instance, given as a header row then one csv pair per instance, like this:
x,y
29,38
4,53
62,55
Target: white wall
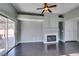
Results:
x,y
70,30
50,25
31,31
70,19
7,9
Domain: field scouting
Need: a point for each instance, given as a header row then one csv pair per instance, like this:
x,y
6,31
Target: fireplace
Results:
x,y
51,38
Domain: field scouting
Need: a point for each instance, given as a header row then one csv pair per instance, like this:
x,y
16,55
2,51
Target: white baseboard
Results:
x,y
17,43
41,41
67,40
62,41
29,41
71,40
77,40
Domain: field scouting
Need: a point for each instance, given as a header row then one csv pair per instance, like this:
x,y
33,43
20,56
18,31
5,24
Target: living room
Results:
x,y
41,33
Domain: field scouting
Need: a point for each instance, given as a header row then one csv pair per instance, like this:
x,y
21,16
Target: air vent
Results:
x,y
60,16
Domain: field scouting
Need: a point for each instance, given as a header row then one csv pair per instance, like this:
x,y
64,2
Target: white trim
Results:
x,y
17,43
70,40
2,53
67,40
76,18
14,19
29,41
45,37
54,42
77,40
31,20
62,41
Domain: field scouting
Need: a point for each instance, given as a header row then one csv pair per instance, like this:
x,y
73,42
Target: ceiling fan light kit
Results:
x,y
46,8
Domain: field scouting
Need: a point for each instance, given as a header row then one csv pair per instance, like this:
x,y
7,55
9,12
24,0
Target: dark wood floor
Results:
x,y
37,49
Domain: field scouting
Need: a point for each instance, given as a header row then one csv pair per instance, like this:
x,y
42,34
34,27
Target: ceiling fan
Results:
x,y
46,8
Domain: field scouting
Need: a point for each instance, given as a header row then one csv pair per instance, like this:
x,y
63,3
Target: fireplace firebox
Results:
x,y
51,38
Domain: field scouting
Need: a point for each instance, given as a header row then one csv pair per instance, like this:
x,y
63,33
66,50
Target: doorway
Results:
x,y
61,30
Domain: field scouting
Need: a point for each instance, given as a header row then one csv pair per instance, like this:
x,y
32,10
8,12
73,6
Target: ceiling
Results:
x,y
32,7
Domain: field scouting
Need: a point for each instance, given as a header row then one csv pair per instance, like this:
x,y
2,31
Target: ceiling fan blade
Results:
x,y
42,11
52,6
39,8
49,10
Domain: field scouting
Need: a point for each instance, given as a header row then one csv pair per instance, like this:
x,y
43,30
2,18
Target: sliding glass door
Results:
x,y
7,34
11,34
3,35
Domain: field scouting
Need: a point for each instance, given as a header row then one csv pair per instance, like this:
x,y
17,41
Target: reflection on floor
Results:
x,y
37,49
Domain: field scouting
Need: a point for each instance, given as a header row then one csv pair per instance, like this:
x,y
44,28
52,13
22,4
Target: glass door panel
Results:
x,y
7,34
11,34
3,34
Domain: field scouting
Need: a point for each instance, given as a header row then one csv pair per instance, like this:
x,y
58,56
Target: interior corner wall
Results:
x,y
18,31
